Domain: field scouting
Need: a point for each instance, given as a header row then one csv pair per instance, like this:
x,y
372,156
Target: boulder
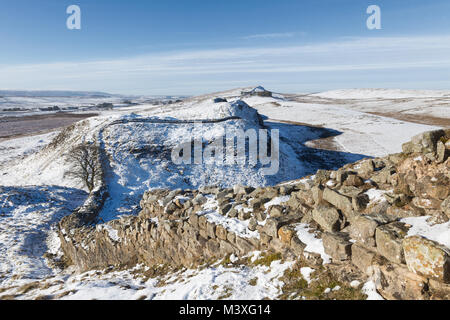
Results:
x,y
389,240
321,177
396,282
275,211
221,232
427,258
252,224
436,186
340,201
226,248
353,180
232,213
360,202
424,143
362,257
445,207
265,238
327,217
242,190
426,203
363,228
337,245
383,176
271,227
218,100
366,169
211,229
260,215
297,246
244,215
199,200
243,245
285,234
224,208
317,193
441,152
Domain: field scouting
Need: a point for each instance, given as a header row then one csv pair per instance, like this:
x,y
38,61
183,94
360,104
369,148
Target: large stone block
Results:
x,y
445,207
427,141
271,227
285,234
243,245
202,220
389,240
362,257
297,246
396,282
427,258
221,232
327,217
337,245
211,229
340,201
363,228
317,193
227,248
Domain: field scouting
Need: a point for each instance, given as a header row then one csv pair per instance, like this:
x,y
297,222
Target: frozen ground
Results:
x,y
316,131
27,215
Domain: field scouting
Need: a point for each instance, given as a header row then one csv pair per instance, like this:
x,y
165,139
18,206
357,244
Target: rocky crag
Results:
x,y
358,212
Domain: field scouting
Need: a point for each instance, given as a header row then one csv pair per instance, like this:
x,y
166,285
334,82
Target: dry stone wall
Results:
x,y
355,210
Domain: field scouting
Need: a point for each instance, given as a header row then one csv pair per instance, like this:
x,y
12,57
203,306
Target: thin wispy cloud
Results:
x,y
144,73
272,35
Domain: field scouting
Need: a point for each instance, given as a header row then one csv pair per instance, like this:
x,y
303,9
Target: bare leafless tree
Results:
x,y
85,164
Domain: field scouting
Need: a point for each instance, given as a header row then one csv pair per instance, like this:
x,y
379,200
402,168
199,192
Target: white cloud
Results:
x,y
173,69
273,35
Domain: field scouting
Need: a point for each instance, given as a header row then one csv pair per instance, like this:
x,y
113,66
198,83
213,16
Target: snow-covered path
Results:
x,y
27,215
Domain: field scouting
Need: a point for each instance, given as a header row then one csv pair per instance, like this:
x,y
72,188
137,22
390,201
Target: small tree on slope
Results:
x,y
85,164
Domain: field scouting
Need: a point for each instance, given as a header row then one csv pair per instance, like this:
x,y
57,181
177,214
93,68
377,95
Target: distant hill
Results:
x,y
52,93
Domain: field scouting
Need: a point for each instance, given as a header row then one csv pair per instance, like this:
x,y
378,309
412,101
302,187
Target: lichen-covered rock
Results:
x,y
252,224
363,228
396,282
327,217
275,211
445,207
285,234
271,227
425,142
338,200
353,180
362,257
441,152
389,240
366,168
337,245
427,258
224,208
297,246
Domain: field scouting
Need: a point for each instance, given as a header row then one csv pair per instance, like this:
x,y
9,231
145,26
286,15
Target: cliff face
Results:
x,y
363,217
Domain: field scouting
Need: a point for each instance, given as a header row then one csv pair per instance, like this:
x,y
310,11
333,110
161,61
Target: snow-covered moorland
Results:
x,y
317,131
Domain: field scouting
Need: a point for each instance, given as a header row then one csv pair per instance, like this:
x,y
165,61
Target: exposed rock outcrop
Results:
x,y
356,210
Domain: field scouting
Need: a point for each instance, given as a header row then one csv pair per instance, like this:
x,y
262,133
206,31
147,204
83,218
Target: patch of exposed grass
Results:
x,y
266,259
296,286
9,297
28,287
228,292
154,271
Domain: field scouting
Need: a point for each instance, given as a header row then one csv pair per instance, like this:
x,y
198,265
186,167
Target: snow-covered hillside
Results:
x,y
320,131
382,94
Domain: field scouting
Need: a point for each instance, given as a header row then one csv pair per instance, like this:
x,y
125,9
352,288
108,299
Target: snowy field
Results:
x,y
35,191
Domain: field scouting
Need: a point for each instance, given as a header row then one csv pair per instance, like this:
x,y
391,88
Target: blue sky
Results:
x,y
199,46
